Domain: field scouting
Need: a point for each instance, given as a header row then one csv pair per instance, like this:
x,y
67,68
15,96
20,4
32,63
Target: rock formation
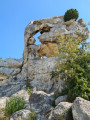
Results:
x,y
35,67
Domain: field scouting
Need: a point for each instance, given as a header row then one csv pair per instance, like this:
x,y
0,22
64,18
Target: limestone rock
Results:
x,y
9,71
11,63
3,102
69,22
31,41
40,102
39,74
22,93
19,115
60,99
82,22
3,78
81,109
48,50
33,52
61,110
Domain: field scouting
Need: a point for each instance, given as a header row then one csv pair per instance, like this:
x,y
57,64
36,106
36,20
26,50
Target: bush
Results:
x,y
71,14
78,77
13,105
74,68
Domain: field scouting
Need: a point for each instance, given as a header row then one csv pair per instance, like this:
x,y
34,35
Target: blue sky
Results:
x,y
16,14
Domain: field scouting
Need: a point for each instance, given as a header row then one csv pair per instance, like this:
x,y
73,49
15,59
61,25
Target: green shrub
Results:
x,y
29,88
13,105
71,14
74,69
78,77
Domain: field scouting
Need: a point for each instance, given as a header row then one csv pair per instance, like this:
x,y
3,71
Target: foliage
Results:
x,y
2,116
13,105
29,88
71,14
77,76
32,116
74,68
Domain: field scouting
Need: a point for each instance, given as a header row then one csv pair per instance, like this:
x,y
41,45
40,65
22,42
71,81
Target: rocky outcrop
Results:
x,y
35,68
48,27
81,109
34,54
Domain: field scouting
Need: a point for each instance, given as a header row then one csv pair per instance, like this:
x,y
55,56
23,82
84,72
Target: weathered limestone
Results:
x,y
48,48
81,109
35,68
60,99
44,100
11,63
61,111
3,102
20,115
81,21
11,77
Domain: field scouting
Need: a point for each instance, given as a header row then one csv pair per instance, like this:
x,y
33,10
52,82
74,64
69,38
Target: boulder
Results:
x,y
61,110
40,102
20,115
81,109
3,102
60,99
48,50
82,22
22,93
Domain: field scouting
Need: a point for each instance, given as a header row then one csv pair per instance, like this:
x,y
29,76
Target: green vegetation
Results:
x,y
71,14
74,68
2,116
13,105
29,88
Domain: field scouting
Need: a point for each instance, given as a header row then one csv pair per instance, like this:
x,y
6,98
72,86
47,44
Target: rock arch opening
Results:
x,y
37,42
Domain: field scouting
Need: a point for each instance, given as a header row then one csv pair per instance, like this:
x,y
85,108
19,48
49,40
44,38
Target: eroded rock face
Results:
x,y
37,68
33,67
11,76
11,63
81,109
48,27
